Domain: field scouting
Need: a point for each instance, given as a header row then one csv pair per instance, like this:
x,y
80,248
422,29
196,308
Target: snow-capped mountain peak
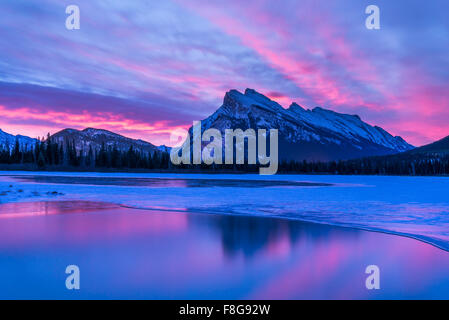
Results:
x,y
319,133
96,138
263,100
296,108
237,104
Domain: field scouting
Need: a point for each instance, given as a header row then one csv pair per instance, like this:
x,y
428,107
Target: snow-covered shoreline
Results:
x,y
411,206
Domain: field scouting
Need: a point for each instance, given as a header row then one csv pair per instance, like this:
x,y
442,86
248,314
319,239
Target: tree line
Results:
x,y
406,164
48,153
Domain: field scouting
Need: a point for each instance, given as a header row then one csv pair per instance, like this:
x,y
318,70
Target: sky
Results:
x,y
145,68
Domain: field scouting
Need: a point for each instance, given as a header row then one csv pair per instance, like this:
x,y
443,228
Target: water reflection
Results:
x,y
129,253
252,235
36,208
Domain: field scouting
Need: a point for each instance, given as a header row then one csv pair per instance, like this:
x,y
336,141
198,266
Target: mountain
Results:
x,y
440,147
428,160
318,134
8,141
94,138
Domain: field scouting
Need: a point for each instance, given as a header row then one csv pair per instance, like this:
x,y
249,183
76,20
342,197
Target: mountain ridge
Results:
x,y
438,147
318,134
8,140
95,138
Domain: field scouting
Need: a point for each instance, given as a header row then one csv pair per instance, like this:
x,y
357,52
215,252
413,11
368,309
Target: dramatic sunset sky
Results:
x,y
143,68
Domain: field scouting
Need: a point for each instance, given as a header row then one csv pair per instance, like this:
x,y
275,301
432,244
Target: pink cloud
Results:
x,y
157,132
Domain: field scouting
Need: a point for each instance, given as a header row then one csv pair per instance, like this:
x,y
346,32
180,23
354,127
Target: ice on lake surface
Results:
x,y
135,254
222,236
412,206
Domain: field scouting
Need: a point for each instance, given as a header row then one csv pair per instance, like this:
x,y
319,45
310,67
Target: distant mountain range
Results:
x,y
431,159
435,150
318,134
440,147
314,135
95,138
8,141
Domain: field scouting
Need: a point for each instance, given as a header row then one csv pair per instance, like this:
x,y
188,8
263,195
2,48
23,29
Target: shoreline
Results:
x,y
57,191
193,171
123,174
227,254
96,205
366,229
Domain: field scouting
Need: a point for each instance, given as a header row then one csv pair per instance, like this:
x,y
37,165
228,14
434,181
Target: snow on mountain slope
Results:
x,y
349,126
317,134
95,138
8,141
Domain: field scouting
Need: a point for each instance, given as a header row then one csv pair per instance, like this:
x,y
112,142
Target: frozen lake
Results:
x,y
412,206
222,236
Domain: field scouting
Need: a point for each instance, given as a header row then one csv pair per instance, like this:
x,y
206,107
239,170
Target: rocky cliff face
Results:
x,y
317,134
